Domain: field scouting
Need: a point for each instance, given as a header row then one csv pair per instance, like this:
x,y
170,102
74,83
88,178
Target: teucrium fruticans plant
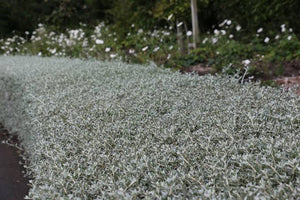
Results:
x,y
109,130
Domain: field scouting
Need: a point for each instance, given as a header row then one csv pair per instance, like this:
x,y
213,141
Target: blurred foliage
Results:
x,y
127,12
17,16
20,15
179,8
134,25
226,54
257,13
65,12
222,50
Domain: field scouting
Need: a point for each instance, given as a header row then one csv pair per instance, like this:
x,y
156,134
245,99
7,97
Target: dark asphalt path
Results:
x,y
13,184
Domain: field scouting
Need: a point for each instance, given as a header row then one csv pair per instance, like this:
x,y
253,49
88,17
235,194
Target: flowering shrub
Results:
x,y
224,48
138,46
109,130
227,47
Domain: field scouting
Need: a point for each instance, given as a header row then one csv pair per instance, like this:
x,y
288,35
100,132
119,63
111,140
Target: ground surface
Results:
x,y
13,184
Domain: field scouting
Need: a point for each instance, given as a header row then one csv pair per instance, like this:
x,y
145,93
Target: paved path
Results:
x,y
13,185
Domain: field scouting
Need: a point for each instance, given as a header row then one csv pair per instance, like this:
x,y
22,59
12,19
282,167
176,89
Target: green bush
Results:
x,y
109,130
224,49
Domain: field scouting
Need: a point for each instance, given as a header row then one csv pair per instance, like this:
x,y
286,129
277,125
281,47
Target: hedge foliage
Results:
x,y
109,130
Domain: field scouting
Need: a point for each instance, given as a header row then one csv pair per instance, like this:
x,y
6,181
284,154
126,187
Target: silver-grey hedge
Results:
x,y
109,130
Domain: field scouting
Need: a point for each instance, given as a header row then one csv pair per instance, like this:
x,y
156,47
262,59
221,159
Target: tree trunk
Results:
x,y
195,23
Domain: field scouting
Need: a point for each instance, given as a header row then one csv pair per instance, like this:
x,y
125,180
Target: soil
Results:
x,y
286,73
200,69
13,184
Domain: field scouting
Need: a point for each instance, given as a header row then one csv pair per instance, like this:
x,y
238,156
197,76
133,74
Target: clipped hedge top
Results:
x,y
109,130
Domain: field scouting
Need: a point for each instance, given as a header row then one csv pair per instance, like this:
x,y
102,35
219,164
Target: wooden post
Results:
x,y
195,23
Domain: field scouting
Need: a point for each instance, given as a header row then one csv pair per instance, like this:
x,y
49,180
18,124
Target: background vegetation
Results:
x,y
21,16
262,32
174,136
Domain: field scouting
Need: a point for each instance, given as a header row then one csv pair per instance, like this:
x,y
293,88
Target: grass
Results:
x,y
110,130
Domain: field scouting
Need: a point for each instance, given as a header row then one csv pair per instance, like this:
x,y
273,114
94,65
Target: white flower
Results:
x,y
238,28
228,22
277,37
179,24
216,32
50,34
231,36
40,54
156,49
223,32
26,32
222,24
145,48
113,55
99,41
140,31
171,47
214,40
52,51
283,29
169,56
131,51
132,25
291,30
204,41
267,39
260,30
289,37
107,49
189,33
246,62
166,33
170,17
